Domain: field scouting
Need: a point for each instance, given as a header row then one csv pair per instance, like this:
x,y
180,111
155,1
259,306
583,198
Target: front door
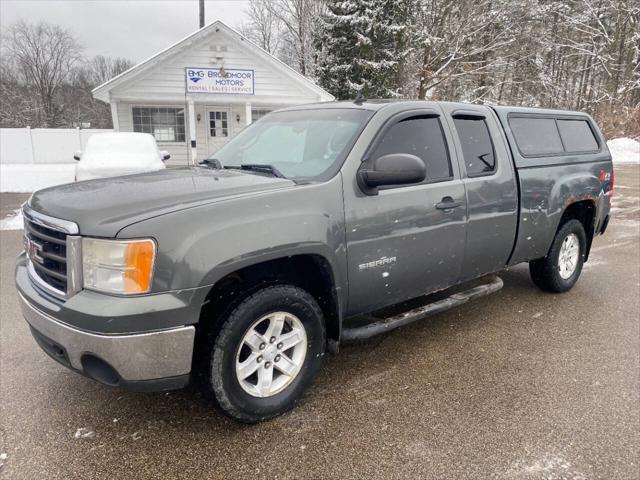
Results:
x,y
218,131
407,240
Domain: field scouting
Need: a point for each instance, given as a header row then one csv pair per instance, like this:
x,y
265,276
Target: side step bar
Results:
x,y
494,283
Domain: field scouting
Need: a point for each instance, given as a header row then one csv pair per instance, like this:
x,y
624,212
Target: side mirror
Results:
x,y
393,169
164,155
77,154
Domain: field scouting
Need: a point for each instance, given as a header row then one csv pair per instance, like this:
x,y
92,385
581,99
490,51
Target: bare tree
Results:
x,y
44,55
300,19
103,68
263,28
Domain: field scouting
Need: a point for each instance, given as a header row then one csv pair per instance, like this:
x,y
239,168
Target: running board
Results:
x,y
382,325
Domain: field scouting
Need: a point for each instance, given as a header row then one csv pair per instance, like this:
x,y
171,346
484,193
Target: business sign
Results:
x,y
219,80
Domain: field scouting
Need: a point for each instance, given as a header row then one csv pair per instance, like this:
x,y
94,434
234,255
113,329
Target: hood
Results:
x,y
103,207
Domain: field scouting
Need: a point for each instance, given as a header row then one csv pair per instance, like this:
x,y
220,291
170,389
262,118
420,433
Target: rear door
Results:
x,y
488,175
407,240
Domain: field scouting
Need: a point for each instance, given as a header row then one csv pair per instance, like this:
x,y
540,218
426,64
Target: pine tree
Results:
x,y
363,46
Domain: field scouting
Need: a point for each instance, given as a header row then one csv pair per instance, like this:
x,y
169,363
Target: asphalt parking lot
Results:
x,y
520,384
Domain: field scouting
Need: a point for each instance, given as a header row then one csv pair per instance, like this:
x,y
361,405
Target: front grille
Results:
x,y
47,251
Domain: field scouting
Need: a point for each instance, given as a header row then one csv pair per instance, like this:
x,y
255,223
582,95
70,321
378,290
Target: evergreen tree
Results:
x,y
363,46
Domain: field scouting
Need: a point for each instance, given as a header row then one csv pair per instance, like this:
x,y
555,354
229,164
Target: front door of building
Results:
x,y
218,128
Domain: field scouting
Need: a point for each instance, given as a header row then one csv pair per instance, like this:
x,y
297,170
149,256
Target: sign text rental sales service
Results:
x,y
216,80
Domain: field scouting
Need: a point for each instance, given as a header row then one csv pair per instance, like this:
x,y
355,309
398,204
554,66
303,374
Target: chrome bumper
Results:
x,y
135,357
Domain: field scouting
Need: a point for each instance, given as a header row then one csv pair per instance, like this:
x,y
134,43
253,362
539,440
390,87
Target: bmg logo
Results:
x,y
195,75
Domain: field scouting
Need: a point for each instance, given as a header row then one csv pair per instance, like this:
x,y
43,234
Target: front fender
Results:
x,y
200,245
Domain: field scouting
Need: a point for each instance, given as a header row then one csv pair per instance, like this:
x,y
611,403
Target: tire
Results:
x,y
548,273
251,320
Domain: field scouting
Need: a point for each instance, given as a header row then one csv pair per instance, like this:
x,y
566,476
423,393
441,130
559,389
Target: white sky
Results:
x,y
134,29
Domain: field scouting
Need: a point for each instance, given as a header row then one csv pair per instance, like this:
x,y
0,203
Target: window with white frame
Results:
x,y
258,113
218,124
166,124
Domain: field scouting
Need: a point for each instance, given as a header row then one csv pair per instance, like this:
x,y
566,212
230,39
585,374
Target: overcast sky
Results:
x,y
134,29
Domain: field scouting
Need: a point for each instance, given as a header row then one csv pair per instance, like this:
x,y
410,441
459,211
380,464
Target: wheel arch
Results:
x,y
313,272
585,212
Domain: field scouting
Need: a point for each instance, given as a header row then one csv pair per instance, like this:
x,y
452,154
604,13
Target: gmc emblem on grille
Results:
x,y
33,250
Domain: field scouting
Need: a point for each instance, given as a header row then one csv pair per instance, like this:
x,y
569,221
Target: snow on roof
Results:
x,y
101,92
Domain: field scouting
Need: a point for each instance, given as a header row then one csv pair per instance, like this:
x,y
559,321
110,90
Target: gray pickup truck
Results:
x,y
315,225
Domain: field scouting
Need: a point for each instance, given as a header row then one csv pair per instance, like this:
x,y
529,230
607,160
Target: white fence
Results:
x,y
42,145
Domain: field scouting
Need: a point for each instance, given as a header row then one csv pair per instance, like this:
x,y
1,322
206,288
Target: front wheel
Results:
x,y
560,269
266,354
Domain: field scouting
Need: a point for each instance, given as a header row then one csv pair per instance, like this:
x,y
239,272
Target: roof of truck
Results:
x,y
379,104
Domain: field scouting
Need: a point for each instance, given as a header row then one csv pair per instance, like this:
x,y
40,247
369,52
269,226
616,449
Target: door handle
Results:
x,y
447,203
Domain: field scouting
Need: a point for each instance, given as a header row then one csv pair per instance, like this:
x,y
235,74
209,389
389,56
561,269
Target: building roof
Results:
x,y
102,92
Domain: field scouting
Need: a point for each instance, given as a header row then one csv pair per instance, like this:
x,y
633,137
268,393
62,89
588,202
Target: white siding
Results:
x,y
168,78
125,120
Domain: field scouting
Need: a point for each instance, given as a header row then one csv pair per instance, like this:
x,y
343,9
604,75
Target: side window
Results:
x,y
577,136
479,157
422,137
536,136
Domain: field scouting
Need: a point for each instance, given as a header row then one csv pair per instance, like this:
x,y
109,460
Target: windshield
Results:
x,y
300,144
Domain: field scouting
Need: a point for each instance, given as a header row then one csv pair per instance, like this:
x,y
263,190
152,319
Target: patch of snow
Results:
x,y
26,178
624,150
551,467
84,433
12,221
3,457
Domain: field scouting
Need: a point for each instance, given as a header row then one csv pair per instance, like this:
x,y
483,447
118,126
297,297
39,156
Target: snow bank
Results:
x,y
624,150
12,221
24,178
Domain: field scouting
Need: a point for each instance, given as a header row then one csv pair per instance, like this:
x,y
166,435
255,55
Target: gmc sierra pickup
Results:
x,y
316,224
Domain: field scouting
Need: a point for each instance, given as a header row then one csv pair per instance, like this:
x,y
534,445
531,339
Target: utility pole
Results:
x,y
201,13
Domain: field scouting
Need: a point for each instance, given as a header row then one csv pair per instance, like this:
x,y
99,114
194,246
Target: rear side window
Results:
x,y
479,157
536,136
577,136
422,137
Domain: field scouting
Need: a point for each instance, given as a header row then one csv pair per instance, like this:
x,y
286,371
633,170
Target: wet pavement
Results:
x,y
520,384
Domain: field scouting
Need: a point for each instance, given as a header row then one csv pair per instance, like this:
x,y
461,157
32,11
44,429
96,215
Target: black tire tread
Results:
x,y
544,271
214,384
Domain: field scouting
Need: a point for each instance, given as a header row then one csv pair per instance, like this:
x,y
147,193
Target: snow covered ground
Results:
x,y
13,221
624,150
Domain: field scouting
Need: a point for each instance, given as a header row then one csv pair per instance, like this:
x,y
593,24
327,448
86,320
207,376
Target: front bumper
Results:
x,y
147,361
143,360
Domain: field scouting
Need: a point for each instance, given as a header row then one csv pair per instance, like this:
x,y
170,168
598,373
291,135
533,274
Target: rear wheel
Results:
x,y
561,268
266,354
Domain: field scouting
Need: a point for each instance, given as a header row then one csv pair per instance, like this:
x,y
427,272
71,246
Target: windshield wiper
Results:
x,y
258,167
211,163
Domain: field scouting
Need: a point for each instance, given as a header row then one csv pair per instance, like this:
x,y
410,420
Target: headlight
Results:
x,y
118,266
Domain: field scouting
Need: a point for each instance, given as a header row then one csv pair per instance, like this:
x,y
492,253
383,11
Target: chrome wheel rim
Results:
x,y
568,257
271,354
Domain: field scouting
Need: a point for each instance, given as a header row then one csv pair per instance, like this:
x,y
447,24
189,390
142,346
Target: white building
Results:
x,y
201,91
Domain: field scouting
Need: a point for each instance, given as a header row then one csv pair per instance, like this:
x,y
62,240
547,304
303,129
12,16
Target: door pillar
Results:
x,y
247,113
191,111
114,116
